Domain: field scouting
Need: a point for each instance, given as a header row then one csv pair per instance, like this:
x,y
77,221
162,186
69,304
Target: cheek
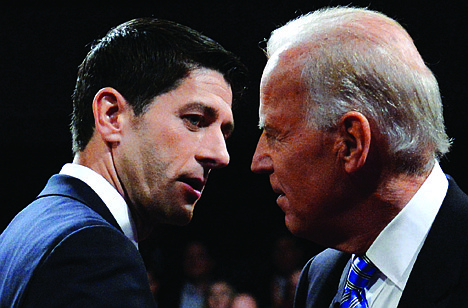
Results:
x,y
142,158
311,175
299,167
177,151
164,148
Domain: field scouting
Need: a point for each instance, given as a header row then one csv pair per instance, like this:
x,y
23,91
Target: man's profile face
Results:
x,y
299,160
167,153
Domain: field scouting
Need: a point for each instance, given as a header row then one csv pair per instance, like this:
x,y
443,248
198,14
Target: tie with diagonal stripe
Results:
x,y
359,275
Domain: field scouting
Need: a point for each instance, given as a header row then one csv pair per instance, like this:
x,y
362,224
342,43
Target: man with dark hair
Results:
x,y
152,108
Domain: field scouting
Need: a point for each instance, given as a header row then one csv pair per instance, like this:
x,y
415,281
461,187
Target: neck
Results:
x,y
368,220
98,157
100,160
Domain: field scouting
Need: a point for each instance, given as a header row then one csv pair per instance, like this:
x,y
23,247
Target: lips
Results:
x,y
280,194
195,183
276,190
194,188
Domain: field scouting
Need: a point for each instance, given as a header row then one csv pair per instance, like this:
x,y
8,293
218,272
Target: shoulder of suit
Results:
x,y
34,233
327,259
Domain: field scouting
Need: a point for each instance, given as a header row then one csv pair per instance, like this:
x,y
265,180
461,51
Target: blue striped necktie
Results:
x,y
359,275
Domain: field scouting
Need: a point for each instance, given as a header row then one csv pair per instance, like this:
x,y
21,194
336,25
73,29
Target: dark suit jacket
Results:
x,y
439,277
66,250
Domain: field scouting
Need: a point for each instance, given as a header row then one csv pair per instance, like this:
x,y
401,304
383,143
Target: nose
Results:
x,y
261,161
213,153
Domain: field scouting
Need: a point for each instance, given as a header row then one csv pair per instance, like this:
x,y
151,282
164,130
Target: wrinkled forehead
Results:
x,y
288,59
281,81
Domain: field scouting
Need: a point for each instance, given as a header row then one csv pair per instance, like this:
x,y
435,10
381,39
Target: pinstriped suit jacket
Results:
x,y
66,250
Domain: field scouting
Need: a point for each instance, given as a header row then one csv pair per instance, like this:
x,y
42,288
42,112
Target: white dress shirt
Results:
x,y
395,250
108,194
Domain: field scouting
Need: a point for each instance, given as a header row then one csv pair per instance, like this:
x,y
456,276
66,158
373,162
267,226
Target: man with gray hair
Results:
x,y
352,132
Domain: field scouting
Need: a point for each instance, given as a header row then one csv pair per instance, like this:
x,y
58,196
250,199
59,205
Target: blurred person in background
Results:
x,y
198,266
244,300
220,294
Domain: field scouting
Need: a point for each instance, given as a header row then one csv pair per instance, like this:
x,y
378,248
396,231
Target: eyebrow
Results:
x,y
211,112
200,107
261,123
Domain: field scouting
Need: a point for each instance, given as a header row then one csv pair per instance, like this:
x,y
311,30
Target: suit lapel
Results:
x,y
437,268
67,186
321,279
344,276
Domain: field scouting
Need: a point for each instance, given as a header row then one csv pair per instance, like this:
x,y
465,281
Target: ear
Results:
x,y
110,109
355,134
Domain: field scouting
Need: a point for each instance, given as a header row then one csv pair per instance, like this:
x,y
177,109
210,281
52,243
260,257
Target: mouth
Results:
x,y
277,191
280,194
195,185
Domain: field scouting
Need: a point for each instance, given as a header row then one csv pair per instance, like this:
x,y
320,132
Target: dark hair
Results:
x,y
144,58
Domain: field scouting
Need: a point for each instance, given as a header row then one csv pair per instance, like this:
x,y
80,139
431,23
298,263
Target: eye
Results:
x,y
272,135
269,133
193,120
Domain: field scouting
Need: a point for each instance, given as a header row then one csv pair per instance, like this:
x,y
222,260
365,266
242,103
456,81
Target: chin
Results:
x,y
185,221
295,227
183,217
291,225
177,215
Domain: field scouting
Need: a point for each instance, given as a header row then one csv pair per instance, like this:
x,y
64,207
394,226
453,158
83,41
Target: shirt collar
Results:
x,y
108,194
395,250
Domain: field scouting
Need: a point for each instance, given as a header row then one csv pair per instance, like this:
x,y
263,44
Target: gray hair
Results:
x,y
361,60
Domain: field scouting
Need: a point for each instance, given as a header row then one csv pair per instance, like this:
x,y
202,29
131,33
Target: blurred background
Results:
x,y
237,217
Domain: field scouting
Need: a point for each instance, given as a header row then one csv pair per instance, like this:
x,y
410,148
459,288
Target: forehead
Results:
x,y
206,83
204,87
281,88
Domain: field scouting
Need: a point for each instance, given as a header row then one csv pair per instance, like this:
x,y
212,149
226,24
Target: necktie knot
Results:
x,y
360,273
